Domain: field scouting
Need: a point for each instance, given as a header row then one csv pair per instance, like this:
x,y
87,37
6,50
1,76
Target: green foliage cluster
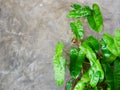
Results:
x,y
94,64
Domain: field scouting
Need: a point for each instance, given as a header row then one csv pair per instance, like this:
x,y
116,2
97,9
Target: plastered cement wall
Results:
x,y
29,30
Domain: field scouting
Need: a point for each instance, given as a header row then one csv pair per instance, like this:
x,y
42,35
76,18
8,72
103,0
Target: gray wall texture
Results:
x,y
29,30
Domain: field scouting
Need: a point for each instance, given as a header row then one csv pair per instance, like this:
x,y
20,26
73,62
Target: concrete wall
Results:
x,y
29,30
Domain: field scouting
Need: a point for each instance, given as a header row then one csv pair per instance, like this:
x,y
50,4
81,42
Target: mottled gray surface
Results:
x,y
29,30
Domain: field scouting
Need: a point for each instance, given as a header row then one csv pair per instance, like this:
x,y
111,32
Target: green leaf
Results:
x,y
95,20
117,40
96,73
108,88
100,69
76,60
79,11
95,64
88,88
73,58
93,43
77,29
77,6
83,82
109,75
59,64
112,75
117,75
107,55
110,44
69,85
95,78
89,53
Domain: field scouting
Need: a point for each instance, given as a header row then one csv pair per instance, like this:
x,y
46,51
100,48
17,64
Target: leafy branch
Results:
x,y
94,64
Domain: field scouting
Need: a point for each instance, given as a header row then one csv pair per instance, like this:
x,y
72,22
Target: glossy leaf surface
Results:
x,y
79,11
93,43
117,40
95,20
59,64
73,58
89,53
76,60
117,75
112,75
110,44
95,74
83,82
77,29
109,76
77,6
107,55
